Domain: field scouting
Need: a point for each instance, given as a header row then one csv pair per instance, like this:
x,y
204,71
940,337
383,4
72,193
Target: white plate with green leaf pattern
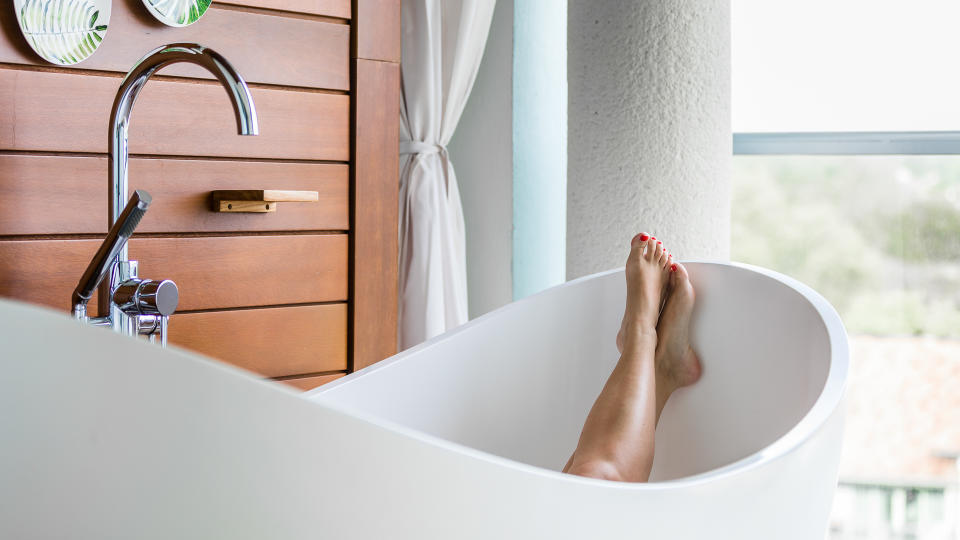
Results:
x,y
64,32
177,12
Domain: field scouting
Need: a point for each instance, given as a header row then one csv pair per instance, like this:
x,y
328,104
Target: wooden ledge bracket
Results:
x,y
256,200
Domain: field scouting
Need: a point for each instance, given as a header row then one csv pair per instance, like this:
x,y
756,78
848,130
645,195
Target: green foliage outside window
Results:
x,y
878,236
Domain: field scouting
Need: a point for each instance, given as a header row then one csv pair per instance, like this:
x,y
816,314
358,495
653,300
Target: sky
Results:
x,y
845,65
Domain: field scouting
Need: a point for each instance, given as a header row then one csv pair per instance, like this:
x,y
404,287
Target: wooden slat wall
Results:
x,y
313,339
376,33
310,382
265,50
376,79
211,272
329,8
63,112
375,244
181,186
303,294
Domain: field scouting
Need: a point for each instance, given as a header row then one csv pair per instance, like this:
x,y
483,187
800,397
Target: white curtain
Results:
x,y
443,43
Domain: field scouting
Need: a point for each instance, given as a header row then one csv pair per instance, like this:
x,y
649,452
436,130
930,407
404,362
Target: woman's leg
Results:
x,y
676,362
614,443
617,440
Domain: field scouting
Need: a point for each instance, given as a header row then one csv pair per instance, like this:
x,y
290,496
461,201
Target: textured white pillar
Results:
x,y
649,116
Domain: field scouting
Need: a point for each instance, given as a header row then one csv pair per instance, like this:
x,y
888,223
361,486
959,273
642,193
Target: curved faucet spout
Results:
x,y
216,64
118,150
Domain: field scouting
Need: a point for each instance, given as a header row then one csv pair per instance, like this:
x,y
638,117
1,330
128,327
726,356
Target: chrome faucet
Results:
x,y
142,306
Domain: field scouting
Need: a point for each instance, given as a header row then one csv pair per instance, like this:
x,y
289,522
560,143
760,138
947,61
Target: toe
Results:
x,y
651,244
680,280
638,245
657,250
639,240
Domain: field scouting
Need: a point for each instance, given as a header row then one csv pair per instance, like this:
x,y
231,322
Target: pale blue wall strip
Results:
x,y
539,145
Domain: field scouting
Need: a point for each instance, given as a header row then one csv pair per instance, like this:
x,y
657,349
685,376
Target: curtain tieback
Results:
x,y
420,147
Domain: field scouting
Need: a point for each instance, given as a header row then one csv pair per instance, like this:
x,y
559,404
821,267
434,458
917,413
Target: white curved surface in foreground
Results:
x,y
107,437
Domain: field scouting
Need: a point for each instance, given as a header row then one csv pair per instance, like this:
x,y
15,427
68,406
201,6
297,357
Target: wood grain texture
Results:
x,y
211,272
184,133
39,194
225,272
45,272
66,112
376,30
265,195
244,207
272,342
264,49
312,381
339,9
375,185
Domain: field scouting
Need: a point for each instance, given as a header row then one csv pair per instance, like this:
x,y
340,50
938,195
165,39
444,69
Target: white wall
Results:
x,y
649,141
482,154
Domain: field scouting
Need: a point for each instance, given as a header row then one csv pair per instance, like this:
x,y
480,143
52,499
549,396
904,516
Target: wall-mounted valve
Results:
x,y
150,303
137,306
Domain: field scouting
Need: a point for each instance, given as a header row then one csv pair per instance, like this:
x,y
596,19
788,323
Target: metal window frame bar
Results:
x,y
848,143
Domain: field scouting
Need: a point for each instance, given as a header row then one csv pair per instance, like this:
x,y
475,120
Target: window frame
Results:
x,y
847,143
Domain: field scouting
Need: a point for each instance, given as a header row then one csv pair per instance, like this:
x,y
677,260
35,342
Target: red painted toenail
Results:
x,y
659,242
643,237
673,268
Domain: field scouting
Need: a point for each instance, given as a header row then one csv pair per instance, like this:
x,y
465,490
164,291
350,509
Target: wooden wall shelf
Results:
x,y
257,200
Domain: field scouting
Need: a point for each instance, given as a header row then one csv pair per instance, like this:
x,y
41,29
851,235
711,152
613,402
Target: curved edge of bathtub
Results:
x,y
826,404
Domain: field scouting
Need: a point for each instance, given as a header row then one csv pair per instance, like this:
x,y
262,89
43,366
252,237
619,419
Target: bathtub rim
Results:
x,y
824,407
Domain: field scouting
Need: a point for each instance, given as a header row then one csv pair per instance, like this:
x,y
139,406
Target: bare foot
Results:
x,y
676,362
648,272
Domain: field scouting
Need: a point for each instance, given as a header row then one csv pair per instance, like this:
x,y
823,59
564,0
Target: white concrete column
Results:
x,y
649,146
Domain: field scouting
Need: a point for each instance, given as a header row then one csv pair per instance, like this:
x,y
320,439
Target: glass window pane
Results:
x,y
852,65
879,237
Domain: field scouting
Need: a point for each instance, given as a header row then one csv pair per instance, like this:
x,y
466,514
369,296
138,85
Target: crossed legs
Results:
x,y
617,440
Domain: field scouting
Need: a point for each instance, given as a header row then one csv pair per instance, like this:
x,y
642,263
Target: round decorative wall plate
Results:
x,y
177,12
64,32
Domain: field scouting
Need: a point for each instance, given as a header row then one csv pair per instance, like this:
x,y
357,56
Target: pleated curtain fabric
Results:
x,y
443,42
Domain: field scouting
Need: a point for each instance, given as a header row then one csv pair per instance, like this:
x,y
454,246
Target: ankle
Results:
x,y
637,332
665,388
639,325
665,384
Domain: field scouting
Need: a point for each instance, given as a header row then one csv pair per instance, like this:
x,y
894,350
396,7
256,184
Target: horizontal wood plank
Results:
x,y
68,195
225,272
261,47
211,272
339,9
45,273
312,381
272,342
68,112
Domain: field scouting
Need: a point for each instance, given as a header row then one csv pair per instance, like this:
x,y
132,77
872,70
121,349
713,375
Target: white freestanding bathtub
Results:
x,y
460,437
